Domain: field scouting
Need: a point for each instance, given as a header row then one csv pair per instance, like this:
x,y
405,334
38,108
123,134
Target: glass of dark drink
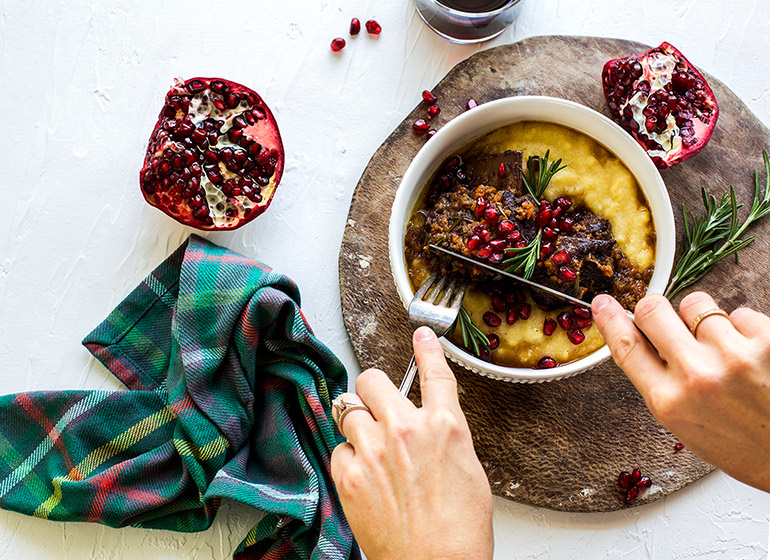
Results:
x,y
468,21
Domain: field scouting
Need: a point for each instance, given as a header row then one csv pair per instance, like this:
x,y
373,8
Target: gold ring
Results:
x,y
343,407
707,313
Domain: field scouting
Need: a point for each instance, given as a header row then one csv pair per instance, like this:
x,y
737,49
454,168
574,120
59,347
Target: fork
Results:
x,y
426,311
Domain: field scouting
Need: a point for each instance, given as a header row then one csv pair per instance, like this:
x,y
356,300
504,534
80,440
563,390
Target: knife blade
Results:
x,y
530,283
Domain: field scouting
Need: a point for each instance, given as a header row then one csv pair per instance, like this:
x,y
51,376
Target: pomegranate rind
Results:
x,y
657,70
192,198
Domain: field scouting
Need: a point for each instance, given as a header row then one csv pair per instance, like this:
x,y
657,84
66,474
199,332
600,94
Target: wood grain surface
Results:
x,y
561,444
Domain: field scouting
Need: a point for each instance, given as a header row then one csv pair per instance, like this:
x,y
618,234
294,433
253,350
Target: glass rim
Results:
x,y
453,11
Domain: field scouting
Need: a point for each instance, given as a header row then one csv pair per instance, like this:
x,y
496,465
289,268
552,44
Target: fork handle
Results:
x,y
408,381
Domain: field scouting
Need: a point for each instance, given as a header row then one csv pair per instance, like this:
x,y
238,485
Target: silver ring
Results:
x,y
343,407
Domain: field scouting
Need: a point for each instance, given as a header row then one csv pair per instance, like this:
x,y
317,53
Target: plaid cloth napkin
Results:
x,y
229,397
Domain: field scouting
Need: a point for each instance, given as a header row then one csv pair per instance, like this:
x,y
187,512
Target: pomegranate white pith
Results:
x,y
215,157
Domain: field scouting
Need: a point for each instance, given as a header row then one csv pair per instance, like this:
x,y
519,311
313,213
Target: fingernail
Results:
x,y
600,302
424,334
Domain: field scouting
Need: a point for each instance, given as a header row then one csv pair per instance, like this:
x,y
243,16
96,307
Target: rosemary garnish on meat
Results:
x,y
473,338
716,235
540,174
524,257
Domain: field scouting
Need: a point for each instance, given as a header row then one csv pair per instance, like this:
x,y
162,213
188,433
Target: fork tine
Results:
x,y
426,286
447,295
457,299
437,290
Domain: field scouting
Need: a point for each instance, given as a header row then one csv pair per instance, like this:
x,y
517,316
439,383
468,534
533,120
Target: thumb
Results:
x,y
437,382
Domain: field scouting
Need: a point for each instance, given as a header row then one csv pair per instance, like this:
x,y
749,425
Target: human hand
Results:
x,y
712,390
408,478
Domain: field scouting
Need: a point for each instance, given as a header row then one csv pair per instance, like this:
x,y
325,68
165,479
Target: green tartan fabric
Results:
x,y
229,397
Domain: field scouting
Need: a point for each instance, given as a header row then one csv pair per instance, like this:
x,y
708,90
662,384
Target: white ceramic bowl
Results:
x,y
495,114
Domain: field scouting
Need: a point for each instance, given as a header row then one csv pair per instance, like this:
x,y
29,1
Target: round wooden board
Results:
x,y
559,445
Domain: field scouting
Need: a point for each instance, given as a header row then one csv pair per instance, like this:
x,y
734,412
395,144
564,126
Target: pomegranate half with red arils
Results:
x,y
215,157
662,101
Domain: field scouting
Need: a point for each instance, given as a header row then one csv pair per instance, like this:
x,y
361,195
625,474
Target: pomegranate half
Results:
x,y
215,156
662,101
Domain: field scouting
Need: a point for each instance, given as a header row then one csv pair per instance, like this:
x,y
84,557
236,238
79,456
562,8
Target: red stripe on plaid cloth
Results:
x,y
50,430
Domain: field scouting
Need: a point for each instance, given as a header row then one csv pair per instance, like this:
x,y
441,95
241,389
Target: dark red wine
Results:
x,y
474,6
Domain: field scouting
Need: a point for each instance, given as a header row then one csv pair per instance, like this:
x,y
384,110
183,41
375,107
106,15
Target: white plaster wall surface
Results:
x,y
83,82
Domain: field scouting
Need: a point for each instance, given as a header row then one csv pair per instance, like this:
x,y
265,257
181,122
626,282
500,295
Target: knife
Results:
x,y
530,283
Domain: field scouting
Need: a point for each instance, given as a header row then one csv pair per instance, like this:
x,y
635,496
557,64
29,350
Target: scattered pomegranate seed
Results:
x,y
519,244
420,126
546,363
512,316
524,311
555,215
355,26
473,243
678,446
513,236
338,44
501,172
582,312
576,336
498,304
430,134
373,28
496,258
485,354
481,205
429,97
484,234
580,323
549,234
484,252
561,257
567,273
644,482
498,244
624,480
543,217
566,224
545,250
494,341
471,104
563,202
491,215
633,483
631,495
491,319
549,326
636,476
506,226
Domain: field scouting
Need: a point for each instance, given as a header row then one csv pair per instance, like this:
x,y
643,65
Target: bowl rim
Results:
x,y
451,137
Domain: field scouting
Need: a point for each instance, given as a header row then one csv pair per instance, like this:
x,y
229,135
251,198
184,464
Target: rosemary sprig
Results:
x,y
473,337
539,178
524,257
717,234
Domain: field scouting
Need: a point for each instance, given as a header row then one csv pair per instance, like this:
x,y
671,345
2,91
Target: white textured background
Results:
x,y
83,82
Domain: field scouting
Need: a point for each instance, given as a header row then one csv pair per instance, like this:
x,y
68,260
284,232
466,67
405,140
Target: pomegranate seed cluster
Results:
x,y
372,28
421,126
663,101
632,483
215,156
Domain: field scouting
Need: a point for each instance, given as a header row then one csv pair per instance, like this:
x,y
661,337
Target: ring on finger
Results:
x,y
343,407
705,314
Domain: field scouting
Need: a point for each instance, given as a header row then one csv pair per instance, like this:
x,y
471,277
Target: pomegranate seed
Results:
x,y
624,480
549,326
567,273
544,216
524,311
520,244
678,446
564,320
501,172
430,134
355,26
546,363
580,323
545,250
481,205
513,236
576,336
512,316
473,243
429,97
582,312
561,257
433,111
505,227
420,126
566,224
491,215
498,244
471,104
631,495
491,319
636,475
496,258
373,28
485,354
484,234
563,202
644,482
494,341
338,44
498,304
484,252
549,234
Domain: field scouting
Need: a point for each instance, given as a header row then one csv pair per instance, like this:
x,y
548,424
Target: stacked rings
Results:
x,y
343,407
